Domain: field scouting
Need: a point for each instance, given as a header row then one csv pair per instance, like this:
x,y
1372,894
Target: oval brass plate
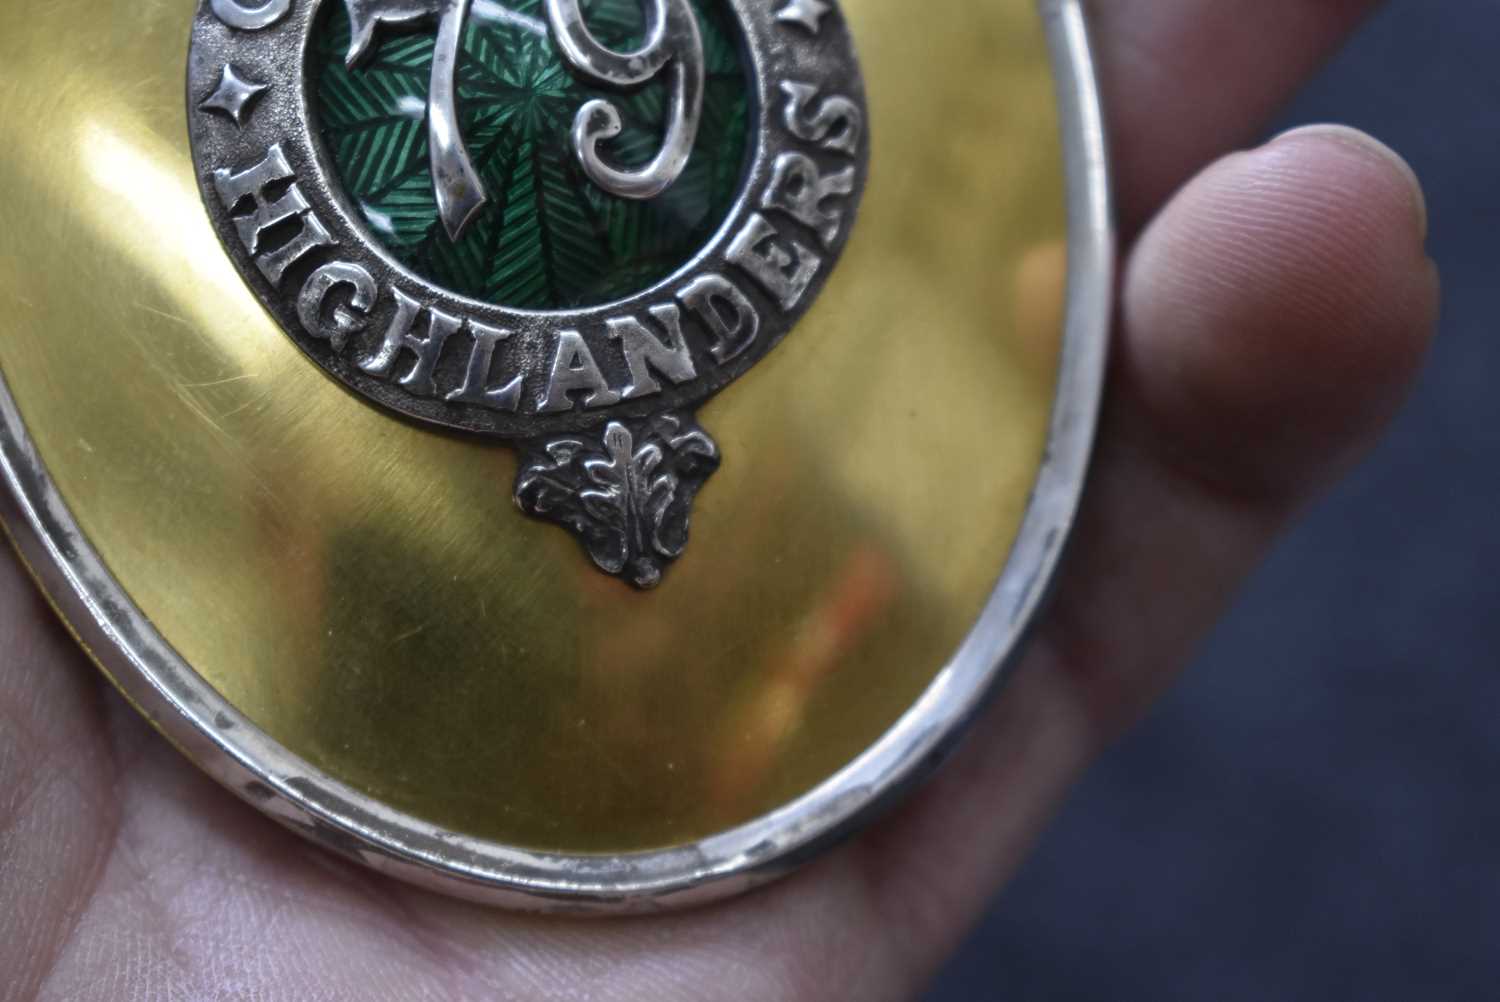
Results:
x,y
340,615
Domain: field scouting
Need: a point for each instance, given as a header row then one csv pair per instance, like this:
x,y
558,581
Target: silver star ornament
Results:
x,y
234,95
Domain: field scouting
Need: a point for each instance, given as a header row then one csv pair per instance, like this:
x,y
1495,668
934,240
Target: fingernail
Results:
x,y
1368,144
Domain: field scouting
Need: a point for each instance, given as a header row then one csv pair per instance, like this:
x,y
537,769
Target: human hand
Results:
x,y
1272,312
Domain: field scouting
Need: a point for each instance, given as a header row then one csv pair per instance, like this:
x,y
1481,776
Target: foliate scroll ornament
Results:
x,y
627,495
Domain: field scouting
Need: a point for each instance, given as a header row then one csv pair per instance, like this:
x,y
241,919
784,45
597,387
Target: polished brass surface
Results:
x,y
365,591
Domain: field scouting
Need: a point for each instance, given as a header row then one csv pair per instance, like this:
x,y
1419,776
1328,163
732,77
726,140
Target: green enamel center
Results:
x,y
548,237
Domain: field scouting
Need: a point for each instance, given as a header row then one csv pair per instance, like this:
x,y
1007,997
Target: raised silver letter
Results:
x,y
505,398
836,125
726,311
574,368
784,274
251,184
440,327
643,352
347,320
799,189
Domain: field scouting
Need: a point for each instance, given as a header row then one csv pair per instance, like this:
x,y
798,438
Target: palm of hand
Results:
x,y
125,873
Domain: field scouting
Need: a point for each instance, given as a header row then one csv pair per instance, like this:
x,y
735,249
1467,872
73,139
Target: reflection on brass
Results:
x,y
362,589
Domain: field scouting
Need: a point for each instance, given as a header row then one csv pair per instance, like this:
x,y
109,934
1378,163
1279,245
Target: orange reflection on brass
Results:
x,y
835,628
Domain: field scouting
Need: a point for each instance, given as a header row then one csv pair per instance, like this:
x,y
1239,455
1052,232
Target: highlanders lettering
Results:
x,y
652,352
278,228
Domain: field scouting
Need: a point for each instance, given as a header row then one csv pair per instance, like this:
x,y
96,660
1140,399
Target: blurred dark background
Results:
x,y
1314,813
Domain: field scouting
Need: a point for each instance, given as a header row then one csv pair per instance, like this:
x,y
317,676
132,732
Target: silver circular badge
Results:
x,y
598,383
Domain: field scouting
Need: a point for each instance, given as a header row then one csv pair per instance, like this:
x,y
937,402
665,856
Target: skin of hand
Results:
x,y
1275,304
